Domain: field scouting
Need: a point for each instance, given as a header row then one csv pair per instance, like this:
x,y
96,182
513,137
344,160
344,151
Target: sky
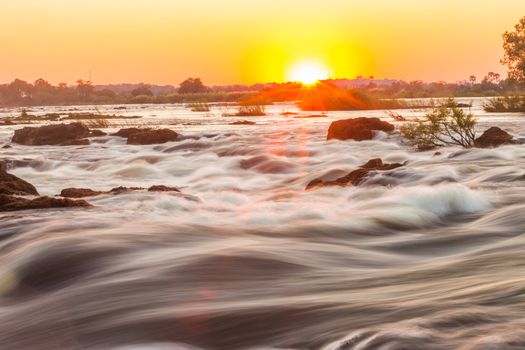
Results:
x,y
250,41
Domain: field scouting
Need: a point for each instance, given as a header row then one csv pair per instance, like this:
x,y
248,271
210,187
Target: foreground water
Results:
x,y
245,258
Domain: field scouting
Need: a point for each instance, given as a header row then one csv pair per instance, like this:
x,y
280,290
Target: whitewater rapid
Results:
x,y
427,256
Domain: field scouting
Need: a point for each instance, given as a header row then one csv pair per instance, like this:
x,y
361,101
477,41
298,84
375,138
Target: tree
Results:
x,y
444,125
514,47
142,90
84,88
472,79
492,78
191,86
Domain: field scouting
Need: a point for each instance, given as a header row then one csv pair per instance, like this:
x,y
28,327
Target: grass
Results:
x,y
198,107
250,111
96,123
503,104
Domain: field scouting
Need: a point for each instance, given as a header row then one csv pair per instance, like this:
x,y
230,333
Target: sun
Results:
x,y
308,72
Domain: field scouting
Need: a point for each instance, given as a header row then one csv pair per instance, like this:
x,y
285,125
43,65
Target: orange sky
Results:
x,y
248,41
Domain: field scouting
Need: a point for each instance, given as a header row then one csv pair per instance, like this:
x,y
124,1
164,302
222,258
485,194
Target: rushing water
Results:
x,y
245,258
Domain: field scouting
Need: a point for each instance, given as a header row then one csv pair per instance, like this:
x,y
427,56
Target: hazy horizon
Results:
x,y
235,42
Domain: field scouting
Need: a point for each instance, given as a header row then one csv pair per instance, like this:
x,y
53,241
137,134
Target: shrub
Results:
x,y
502,104
442,126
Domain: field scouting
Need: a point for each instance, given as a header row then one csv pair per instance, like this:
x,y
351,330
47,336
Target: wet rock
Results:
x,y
79,193
60,134
356,177
149,137
13,203
7,146
162,188
13,185
128,131
243,122
123,189
493,137
358,129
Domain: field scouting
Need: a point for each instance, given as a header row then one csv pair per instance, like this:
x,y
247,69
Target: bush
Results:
x,y
502,104
442,126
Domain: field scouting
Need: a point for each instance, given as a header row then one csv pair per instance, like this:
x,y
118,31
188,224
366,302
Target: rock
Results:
x,y
79,193
60,134
243,122
7,146
150,137
122,189
128,131
13,185
358,129
493,137
356,177
162,188
12,203
96,133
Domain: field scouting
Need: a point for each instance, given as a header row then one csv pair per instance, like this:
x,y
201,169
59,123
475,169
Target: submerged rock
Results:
x,y
310,116
149,137
162,188
356,177
13,185
358,129
79,193
60,134
493,137
13,203
243,122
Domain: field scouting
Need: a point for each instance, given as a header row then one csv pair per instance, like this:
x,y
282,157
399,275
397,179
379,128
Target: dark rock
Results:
x,y
13,185
243,122
128,131
79,193
7,146
493,137
356,177
60,134
96,133
12,203
122,189
358,129
150,137
162,188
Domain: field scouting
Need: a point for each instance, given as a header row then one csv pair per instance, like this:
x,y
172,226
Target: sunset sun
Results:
x,y
308,72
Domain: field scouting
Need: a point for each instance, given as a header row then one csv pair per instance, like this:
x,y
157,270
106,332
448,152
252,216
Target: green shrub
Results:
x,y
502,104
442,126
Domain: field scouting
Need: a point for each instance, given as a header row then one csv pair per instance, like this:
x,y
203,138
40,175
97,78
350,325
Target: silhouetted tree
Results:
x,y
472,79
142,90
514,47
192,85
84,88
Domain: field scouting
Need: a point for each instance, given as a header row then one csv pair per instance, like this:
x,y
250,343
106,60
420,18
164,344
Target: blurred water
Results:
x,y
245,258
